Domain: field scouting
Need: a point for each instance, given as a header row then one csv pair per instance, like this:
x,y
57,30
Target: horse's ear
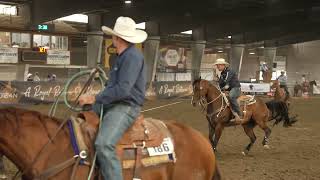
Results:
x,y
196,80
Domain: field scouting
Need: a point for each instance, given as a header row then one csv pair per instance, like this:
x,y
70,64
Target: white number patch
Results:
x,y
166,147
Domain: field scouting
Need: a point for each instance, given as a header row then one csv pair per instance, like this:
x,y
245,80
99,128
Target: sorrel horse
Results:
x,y
219,114
297,87
280,94
24,133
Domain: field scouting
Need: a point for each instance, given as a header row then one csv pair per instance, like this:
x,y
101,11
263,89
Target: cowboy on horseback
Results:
x,y
229,81
122,97
283,82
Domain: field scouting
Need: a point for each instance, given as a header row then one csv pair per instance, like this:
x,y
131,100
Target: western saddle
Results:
x,y
142,134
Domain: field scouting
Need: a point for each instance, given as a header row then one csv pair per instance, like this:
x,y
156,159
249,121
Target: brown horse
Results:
x,y
219,114
280,94
305,87
24,133
296,88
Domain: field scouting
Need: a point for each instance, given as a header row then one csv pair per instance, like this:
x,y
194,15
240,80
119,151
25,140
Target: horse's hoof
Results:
x,y
243,153
266,146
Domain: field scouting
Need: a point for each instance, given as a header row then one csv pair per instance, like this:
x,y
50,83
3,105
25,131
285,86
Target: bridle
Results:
x,y
204,104
75,160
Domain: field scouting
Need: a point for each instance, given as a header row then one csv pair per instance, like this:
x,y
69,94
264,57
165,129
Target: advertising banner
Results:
x,y
18,92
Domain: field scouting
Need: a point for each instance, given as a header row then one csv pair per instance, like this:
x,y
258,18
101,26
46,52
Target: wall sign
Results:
x,y
8,55
255,87
58,57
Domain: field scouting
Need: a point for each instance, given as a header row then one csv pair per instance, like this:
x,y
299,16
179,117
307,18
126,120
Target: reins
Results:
x,y
204,104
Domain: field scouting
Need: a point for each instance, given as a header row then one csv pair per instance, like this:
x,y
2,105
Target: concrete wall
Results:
x,y
303,58
78,56
250,64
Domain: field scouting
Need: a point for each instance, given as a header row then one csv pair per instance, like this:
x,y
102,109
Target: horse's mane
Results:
x,y
16,114
211,83
21,111
15,110
196,81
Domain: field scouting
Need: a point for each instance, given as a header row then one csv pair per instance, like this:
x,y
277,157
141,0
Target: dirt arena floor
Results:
x,y
294,153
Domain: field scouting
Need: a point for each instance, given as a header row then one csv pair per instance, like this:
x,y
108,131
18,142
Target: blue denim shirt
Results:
x,y
228,79
127,80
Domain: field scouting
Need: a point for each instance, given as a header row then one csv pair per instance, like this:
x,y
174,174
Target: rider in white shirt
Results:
x,y
283,81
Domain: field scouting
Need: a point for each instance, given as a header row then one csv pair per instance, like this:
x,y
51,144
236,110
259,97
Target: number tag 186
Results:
x,y
166,147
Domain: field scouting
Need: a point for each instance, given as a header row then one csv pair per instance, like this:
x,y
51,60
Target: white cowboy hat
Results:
x,y
221,61
29,75
125,28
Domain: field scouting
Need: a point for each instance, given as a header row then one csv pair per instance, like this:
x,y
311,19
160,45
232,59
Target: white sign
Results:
x,y
8,55
166,147
255,87
172,57
58,57
316,89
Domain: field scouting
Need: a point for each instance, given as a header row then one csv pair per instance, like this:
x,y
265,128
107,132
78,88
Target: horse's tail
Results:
x,y
285,112
217,174
279,111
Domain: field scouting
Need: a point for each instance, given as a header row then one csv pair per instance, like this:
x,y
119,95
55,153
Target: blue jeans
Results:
x,y
234,94
285,87
117,119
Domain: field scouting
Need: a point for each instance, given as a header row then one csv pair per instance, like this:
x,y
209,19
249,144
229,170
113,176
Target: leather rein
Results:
x,y
204,103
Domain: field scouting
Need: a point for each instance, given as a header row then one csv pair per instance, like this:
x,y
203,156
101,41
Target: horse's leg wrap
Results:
x,y
266,137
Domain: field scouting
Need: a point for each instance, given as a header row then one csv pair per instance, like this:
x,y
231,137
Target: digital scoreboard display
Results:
x,y
43,27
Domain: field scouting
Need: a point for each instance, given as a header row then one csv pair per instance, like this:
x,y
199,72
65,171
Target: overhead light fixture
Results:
x,y
127,2
252,53
229,37
220,51
187,32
